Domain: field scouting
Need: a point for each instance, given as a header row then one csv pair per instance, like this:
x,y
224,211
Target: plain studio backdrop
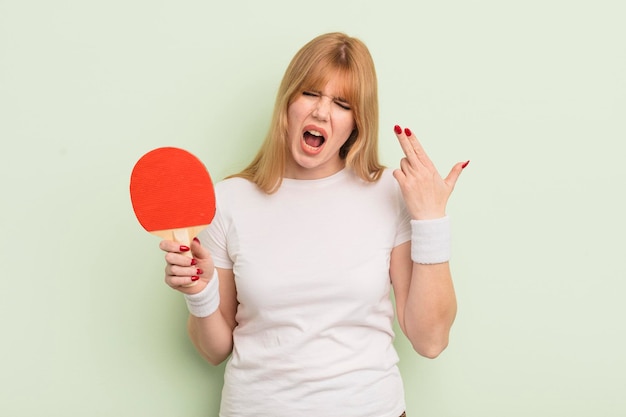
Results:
x,y
533,92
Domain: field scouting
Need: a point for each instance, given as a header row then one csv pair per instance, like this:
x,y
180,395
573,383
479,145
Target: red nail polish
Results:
x,y
465,164
193,262
184,248
397,129
407,132
199,271
195,278
195,239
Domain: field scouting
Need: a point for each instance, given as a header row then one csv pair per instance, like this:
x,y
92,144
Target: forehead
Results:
x,y
339,81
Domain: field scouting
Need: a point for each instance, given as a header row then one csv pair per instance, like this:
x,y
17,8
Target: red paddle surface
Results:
x,y
171,189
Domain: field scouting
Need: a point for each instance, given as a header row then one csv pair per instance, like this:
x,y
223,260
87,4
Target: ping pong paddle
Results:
x,y
172,194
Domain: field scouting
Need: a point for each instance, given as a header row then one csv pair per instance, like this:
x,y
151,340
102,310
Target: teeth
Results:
x,y
314,132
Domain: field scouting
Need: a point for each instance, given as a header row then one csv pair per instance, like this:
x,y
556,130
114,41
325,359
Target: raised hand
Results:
x,y
425,192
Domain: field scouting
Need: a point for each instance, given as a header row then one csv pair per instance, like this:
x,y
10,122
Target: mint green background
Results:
x,y
533,92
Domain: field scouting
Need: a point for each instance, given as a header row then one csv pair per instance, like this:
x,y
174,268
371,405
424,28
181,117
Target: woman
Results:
x,y
293,277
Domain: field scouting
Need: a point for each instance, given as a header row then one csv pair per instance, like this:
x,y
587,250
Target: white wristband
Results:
x,y
206,302
430,241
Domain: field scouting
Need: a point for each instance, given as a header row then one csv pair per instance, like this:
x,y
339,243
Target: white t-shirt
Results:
x,y
311,265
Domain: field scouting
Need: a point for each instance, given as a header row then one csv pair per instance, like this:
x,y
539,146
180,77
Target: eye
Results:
x,y
343,105
310,94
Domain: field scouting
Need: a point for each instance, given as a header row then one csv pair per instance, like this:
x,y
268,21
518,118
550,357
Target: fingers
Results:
x,y
181,270
198,251
412,148
193,253
172,246
406,145
455,172
424,191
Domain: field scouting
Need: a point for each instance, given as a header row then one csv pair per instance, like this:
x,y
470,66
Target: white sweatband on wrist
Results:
x,y
206,302
430,241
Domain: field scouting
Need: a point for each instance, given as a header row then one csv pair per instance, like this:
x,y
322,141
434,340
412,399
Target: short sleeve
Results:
x,y
403,219
214,238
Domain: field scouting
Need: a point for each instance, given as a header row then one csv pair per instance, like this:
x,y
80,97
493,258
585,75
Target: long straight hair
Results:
x,y
329,55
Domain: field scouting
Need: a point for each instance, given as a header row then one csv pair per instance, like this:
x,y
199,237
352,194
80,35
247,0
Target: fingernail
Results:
x,y
195,278
397,129
195,239
184,248
199,271
465,164
407,131
193,261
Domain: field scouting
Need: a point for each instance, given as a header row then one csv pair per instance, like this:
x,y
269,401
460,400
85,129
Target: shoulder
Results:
x,y
388,188
387,181
234,186
233,194
387,176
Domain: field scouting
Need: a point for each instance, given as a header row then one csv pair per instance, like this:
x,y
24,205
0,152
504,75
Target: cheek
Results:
x,y
298,109
348,124
292,121
290,117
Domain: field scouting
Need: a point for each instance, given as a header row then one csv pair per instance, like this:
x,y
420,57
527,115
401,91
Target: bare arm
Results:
x,y
213,335
425,301
425,298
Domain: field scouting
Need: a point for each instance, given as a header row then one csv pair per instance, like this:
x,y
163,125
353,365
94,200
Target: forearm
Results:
x,y
212,336
212,319
430,308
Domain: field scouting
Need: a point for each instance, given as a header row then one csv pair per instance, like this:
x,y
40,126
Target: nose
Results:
x,y
322,108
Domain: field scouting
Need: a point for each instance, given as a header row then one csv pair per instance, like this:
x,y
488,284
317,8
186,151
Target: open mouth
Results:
x,y
314,138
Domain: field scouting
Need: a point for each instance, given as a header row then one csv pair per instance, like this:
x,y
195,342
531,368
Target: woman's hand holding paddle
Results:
x,y
160,180
183,272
